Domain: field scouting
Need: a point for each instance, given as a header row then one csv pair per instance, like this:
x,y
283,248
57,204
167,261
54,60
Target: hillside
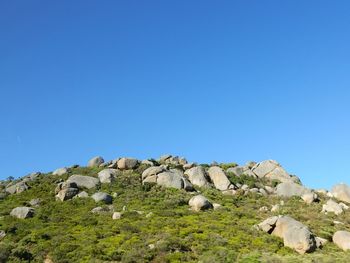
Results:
x,y
143,213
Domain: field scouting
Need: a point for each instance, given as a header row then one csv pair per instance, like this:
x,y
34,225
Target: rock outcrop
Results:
x,y
272,170
198,176
83,181
341,192
294,234
95,162
219,178
107,176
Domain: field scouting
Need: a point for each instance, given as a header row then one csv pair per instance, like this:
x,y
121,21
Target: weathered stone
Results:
x,y
96,161
272,170
82,194
342,239
294,234
333,207
67,193
219,178
102,210
152,171
35,202
107,176
22,212
83,181
116,215
289,189
199,202
127,163
102,197
309,197
197,176
341,192
17,188
60,171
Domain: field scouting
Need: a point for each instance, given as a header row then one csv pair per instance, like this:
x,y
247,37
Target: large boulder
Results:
x,y
96,161
341,192
83,181
60,171
127,163
199,202
102,197
342,239
17,188
219,178
107,176
22,212
289,189
66,190
198,176
150,174
272,170
241,170
294,234
175,179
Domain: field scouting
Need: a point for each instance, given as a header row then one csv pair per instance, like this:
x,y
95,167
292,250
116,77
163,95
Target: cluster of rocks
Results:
x,y
176,172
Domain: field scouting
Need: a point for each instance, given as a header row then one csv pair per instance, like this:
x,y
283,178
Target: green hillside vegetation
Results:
x,y
157,225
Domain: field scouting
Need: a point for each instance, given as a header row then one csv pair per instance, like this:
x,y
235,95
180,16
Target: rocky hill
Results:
x,y
169,210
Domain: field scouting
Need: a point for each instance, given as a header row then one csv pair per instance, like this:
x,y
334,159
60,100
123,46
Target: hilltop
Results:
x,y
170,210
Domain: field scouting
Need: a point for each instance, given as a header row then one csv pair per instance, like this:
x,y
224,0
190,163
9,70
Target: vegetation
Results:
x,y
156,226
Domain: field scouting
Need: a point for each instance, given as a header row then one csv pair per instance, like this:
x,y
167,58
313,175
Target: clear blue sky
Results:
x,y
208,80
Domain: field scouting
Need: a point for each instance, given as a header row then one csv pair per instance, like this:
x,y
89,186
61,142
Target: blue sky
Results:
x,y
208,80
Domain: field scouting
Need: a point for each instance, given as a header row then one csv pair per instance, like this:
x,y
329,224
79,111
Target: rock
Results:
x,y
197,176
35,202
102,210
67,193
229,192
199,202
333,207
163,158
150,214
321,191
275,208
309,197
269,224
341,192
2,234
217,206
289,189
147,162
269,189
82,194
294,234
102,197
342,239
237,171
60,171
263,209
83,181
65,185
219,178
188,166
272,170
153,171
175,179
320,242
22,212
17,188
127,163
107,176
96,161
116,215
